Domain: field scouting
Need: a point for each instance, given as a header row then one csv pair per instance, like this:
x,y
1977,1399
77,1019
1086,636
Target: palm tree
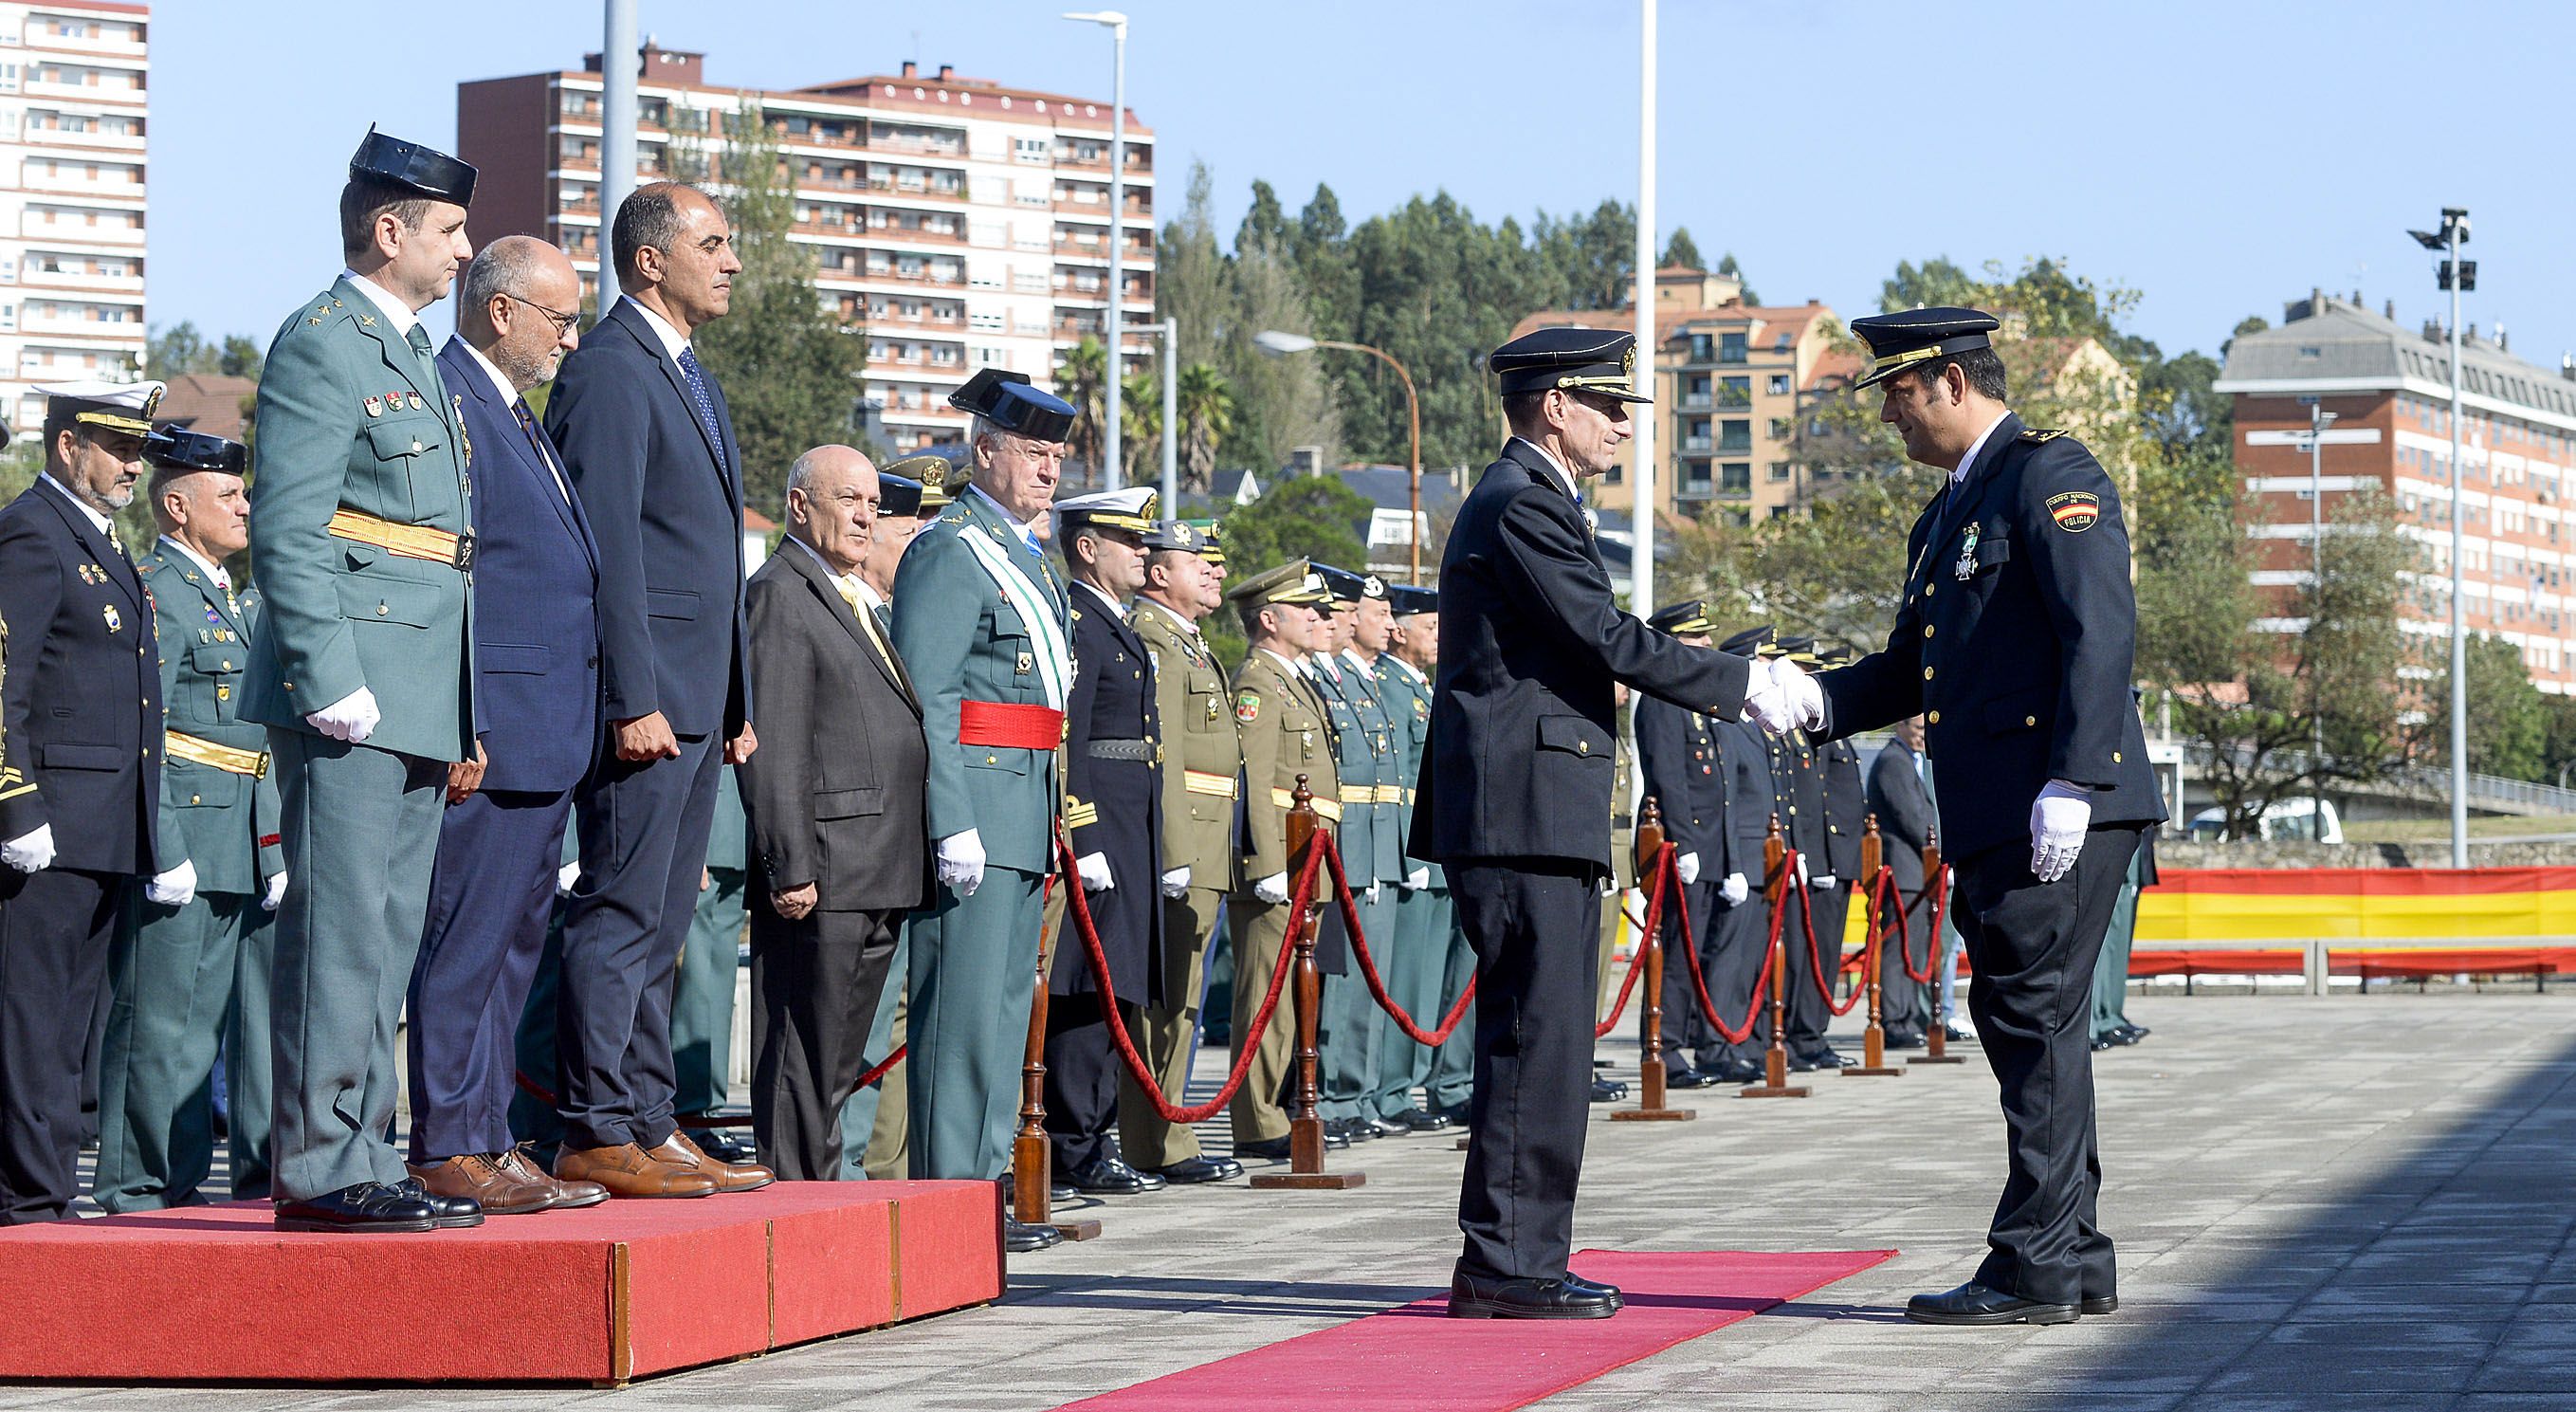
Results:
x,y
1207,419
1080,379
1140,421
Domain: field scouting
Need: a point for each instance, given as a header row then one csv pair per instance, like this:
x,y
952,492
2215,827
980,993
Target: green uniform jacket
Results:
x,y
350,417
1364,747
1285,734
224,823
1405,694
1203,753
963,641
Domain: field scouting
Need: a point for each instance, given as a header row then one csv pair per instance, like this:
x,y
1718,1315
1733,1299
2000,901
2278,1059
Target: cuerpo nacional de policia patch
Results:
x,y
2075,510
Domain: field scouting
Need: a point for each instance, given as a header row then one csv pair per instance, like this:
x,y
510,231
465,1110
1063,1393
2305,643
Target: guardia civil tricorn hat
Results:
x,y
1009,401
424,169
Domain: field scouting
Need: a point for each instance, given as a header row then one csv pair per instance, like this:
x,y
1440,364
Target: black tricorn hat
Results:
x,y
1009,401
176,448
426,170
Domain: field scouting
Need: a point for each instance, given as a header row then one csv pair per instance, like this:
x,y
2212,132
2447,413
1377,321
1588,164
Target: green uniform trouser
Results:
x,y
248,1061
360,833
1351,1032
1453,1069
171,977
2111,973
1414,966
883,1110
1259,932
1169,1033
702,1002
971,986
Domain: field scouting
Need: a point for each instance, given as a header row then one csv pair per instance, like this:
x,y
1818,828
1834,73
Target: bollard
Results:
x,y
1936,1039
1775,1060
1032,1158
1651,865
1305,1125
1873,953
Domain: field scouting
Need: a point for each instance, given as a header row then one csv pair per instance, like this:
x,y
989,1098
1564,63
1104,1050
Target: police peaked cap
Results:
x,y
1570,357
1180,537
1749,641
1903,339
1130,510
898,495
1346,587
1405,600
426,170
1679,618
1009,401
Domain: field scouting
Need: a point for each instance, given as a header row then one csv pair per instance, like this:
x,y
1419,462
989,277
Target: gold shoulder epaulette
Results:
x,y
2036,435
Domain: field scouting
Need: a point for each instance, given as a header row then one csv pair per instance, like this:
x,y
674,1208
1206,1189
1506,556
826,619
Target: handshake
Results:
x,y
1781,698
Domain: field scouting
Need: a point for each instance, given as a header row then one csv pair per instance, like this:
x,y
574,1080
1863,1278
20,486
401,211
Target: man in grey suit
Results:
x,y
840,844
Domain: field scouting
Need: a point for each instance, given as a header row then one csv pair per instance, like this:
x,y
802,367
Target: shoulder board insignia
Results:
x,y
367,320
2075,511
2036,435
1247,706
313,322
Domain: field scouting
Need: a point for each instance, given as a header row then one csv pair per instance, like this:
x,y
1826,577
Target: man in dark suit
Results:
x,y
1515,800
536,655
2014,641
644,431
80,785
1678,752
1905,825
840,841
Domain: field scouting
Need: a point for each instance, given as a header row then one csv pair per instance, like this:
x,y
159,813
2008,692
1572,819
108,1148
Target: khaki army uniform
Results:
x,y
1285,734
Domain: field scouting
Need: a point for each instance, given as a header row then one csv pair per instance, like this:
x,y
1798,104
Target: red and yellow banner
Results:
x,y
2359,904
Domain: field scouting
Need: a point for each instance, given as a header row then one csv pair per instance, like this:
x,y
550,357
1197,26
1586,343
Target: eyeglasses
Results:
x,y
563,322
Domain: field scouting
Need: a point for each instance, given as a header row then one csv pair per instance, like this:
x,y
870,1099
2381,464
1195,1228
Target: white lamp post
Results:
x,y
1116,338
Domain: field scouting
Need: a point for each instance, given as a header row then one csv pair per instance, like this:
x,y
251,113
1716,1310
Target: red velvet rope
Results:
x,y
1816,963
1627,987
1368,964
1734,1034
881,1070
1153,1087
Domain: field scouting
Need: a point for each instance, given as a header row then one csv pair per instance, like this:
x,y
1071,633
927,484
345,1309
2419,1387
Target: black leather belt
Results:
x,y
1141,751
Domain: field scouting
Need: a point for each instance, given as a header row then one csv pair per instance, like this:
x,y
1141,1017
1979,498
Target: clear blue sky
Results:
x,y
2219,157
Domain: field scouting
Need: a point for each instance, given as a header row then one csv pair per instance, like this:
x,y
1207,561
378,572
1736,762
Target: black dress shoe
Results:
x,y
2098,1305
1581,1285
1903,1039
1421,1121
1107,1176
2137,1032
1973,1303
2122,1034
1472,1297
369,1208
1021,1238
1685,1076
451,1213
1266,1149
1381,1127
2100,1043
1351,1130
1061,1191
1196,1170
1741,1071
725,1147
1456,1113
1608,1090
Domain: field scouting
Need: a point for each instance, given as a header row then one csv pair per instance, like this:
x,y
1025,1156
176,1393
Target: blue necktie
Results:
x,y
705,404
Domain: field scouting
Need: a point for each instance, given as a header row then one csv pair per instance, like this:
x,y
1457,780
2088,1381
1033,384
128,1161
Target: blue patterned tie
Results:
x,y
706,405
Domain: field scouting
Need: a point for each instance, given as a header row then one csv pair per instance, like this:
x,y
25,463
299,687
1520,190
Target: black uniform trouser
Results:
x,y
815,984
1900,996
2034,946
1686,1026
1082,1069
1535,924
1741,936
56,927
1809,1013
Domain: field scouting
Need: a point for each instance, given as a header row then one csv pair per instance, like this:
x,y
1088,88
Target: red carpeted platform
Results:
x,y
1416,1359
619,1291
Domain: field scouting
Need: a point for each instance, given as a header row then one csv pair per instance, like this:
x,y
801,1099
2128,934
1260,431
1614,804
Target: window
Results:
x,y
1735,479
1735,435
1730,348
1701,346
1779,385
1782,428
1029,149
1735,392
1777,472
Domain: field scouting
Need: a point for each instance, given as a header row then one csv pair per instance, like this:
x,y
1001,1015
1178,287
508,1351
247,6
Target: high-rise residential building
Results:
x,y
956,222
2389,388
73,109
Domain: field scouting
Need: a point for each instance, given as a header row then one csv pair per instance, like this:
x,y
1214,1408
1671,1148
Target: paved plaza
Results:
x,y
2347,1202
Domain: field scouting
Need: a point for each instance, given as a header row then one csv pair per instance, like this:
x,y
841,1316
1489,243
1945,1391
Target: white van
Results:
x,y
2284,820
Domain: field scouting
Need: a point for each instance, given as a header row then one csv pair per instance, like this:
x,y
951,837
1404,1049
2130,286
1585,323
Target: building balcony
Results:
x,y
916,191
86,144
33,278
923,320
914,235
1734,446
924,277
1697,402
84,93
65,236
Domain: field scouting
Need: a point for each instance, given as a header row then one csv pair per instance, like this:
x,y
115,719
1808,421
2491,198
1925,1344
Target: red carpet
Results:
x,y
1414,1359
615,1292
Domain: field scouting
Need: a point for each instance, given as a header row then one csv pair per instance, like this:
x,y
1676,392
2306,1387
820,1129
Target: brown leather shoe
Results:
x,y
567,1195
478,1178
730,1176
627,1170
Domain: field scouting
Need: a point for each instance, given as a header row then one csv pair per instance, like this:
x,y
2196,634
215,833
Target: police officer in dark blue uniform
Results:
x,y
2015,642
1740,932
1677,750
1515,799
1798,782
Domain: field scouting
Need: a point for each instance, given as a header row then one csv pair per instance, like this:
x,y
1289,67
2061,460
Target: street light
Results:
x,y
2454,275
1285,345
1116,23
2318,420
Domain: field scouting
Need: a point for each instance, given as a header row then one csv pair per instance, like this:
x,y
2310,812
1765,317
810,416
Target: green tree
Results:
x,y
2509,720
1207,419
790,367
1315,517
240,358
1726,266
178,349
1140,427
1682,250
1080,378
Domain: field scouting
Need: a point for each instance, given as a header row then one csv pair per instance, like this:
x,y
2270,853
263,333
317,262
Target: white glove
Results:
x,y
1418,879
174,887
566,876
1609,886
352,718
1370,896
2058,819
1802,870
276,893
1821,881
1272,889
1735,889
1766,702
1806,699
1176,883
1094,868
961,862
32,852
1686,867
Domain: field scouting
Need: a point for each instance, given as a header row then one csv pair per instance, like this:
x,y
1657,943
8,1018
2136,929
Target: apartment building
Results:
x,y
73,111
956,222
2388,386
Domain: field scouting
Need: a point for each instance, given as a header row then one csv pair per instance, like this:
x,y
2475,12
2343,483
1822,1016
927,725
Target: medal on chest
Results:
x,y
1966,568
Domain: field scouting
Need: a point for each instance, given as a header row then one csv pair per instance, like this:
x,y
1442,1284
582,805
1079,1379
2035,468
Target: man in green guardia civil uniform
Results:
x,y
190,964
1352,1032
980,620
1419,961
362,669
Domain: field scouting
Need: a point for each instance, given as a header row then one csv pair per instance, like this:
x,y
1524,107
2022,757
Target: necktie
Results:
x,y
868,623
705,403
528,428
418,338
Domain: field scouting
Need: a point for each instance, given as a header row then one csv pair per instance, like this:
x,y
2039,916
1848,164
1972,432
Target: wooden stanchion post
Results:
x,y
1305,1124
1032,1157
1936,1037
1873,954
1775,1060
1650,954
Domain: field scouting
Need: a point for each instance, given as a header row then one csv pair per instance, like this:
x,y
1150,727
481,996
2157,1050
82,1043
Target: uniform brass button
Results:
x,y
193,799
2115,757
1927,674
228,666
415,445
290,686
2030,720
382,610
1933,719
1583,747
1929,589
992,760
1927,629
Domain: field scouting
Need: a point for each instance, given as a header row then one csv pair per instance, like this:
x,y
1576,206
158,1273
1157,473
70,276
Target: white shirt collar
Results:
x,y
1564,477
1352,656
95,518
401,315
868,592
829,572
1284,664
1114,605
500,380
1008,518
1968,462
1409,669
213,570
672,342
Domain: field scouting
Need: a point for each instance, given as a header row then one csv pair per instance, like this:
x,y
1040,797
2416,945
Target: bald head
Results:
x,y
832,504
520,308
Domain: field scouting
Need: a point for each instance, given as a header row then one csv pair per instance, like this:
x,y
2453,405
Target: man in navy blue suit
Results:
x,y
644,431
536,654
